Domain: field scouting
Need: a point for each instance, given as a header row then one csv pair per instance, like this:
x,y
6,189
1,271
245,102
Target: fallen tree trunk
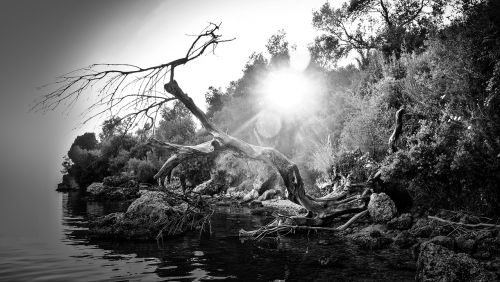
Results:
x,y
321,208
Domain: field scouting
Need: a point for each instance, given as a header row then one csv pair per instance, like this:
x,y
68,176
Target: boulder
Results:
x,y
373,241
444,241
381,207
143,220
426,228
372,237
403,222
100,191
155,206
437,263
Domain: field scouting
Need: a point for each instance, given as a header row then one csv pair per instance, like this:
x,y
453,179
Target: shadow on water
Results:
x,y
222,255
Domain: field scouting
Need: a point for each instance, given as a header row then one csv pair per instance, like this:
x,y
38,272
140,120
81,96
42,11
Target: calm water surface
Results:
x,y
58,250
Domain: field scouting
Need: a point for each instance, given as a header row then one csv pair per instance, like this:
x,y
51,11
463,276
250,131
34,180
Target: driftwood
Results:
x,y
467,225
353,201
321,208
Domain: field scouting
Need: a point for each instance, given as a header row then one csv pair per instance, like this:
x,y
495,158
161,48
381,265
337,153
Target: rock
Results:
x,y
155,206
444,241
207,188
99,191
403,222
404,240
372,237
250,177
381,207
437,263
96,188
143,219
68,184
284,206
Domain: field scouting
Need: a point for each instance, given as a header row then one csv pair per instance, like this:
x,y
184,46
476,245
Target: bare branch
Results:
x,y
112,84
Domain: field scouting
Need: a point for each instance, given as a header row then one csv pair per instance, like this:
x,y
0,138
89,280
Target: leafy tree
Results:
x,y
215,99
367,25
176,125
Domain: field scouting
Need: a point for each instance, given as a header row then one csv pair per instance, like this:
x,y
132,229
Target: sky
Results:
x,y
43,39
40,40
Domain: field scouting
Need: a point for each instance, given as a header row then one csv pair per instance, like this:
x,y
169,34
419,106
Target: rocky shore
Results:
x,y
442,251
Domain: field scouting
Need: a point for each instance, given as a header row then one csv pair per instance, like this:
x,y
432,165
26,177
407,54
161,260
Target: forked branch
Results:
x,y
135,93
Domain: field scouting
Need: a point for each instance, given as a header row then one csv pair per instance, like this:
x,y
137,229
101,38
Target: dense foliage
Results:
x,y
123,159
437,59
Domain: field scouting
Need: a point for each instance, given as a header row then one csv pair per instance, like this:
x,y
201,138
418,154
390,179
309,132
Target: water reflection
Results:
x,y
221,255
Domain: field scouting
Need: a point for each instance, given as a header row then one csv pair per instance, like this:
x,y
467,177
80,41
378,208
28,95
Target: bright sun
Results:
x,y
286,90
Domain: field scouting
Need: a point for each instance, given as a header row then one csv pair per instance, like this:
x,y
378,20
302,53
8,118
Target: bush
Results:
x,y
444,167
143,171
121,180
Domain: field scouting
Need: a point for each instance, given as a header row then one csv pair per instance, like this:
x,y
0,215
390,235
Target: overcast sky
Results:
x,y
42,39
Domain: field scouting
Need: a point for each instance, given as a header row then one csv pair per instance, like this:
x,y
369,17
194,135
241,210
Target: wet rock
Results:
x,y
405,240
381,207
372,237
143,219
403,222
437,263
68,184
366,241
444,241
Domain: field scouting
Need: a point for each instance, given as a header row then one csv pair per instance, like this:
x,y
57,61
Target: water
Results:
x,y
62,252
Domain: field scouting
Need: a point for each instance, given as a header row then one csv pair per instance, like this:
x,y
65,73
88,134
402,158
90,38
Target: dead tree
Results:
x,y
121,79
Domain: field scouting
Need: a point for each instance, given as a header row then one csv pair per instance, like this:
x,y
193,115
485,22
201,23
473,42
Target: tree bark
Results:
x,y
321,208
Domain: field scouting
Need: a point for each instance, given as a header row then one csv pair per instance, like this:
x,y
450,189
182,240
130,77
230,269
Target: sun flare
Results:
x,y
286,90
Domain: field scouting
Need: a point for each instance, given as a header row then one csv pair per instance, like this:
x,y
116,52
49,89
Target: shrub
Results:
x,y
143,171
